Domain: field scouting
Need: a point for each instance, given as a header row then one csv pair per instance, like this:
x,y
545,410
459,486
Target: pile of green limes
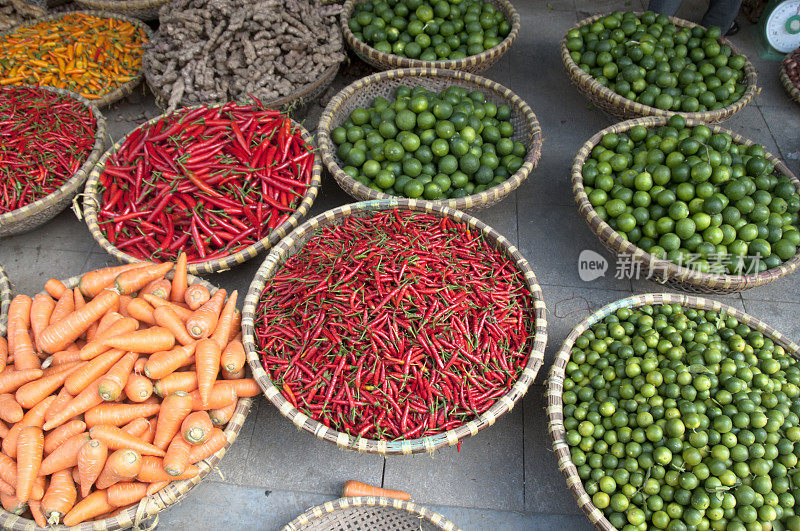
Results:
x,y
652,61
685,193
446,145
430,31
684,419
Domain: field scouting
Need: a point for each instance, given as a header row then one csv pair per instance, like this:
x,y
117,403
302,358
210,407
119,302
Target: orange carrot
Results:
x,y
65,305
233,357
58,335
356,488
118,414
39,484
145,341
65,356
117,439
177,381
35,506
124,494
3,430
215,443
55,288
221,416
68,368
204,319
62,399
234,375
122,465
93,282
206,356
60,496
196,427
41,310
124,301
6,488
137,427
177,459
180,280
97,346
113,383
54,439
245,387
94,369
108,319
236,324
29,459
91,460
10,410
166,317
159,288
224,329
141,310
80,302
135,279
8,470
11,504
34,417
65,456
139,388
153,471
162,364
85,400
152,488
221,395
95,504
13,380
3,353
20,317
174,409
196,295
20,341
150,433
180,311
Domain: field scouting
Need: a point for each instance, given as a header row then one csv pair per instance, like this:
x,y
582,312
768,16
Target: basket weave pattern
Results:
x,y
121,91
471,63
150,506
362,92
43,210
141,9
620,107
91,203
659,270
555,382
369,512
5,300
791,89
295,241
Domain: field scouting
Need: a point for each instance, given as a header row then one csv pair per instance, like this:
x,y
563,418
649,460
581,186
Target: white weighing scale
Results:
x,y
778,30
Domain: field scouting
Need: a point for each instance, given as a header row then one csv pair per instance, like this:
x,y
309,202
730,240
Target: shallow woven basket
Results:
x,y
791,89
43,210
145,514
659,270
623,108
471,63
121,91
91,202
369,512
555,381
5,300
141,9
363,91
290,102
297,239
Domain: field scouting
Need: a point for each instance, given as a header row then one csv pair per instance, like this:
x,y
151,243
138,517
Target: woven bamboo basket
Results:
x,y
555,381
361,93
471,63
622,108
791,89
301,97
656,269
370,512
297,239
91,203
43,210
141,9
145,514
5,300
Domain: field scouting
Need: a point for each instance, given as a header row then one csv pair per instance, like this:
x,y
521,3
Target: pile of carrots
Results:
x,y
113,389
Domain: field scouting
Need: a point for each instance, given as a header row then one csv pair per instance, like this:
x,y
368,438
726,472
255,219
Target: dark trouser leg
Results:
x,y
664,7
721,13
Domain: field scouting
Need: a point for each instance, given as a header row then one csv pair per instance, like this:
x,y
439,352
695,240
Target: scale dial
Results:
x,y
783,26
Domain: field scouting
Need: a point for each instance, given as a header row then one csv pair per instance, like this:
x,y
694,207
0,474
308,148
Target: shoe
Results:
x,y
734,29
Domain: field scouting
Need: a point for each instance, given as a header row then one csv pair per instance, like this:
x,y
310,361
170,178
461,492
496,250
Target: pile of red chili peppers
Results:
x,y
397,325
206,181
45,137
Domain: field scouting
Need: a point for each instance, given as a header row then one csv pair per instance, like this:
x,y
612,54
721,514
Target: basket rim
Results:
x,y
122,90
326,508
5,300
119,6
217,265
166,497
490,195
670,271
71,185
792,90
555,380
398,61
584,79
430,443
